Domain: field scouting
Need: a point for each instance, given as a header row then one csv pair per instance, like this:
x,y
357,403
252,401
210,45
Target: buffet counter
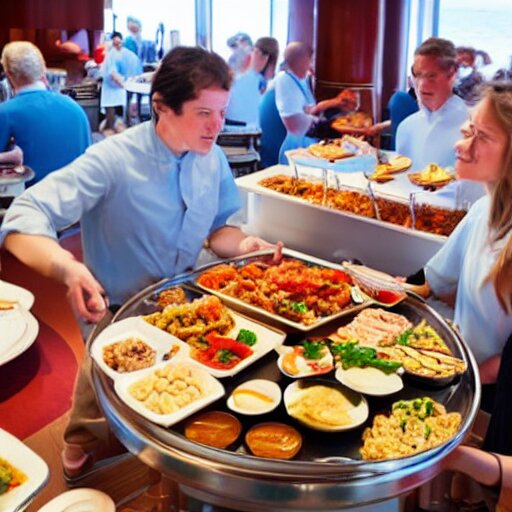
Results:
x,y
337,235
328,473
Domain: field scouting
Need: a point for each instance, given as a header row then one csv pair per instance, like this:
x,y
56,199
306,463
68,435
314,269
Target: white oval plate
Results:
x,y
136,327
358,413
81,500
304,370
264,386
23,458
18,330
369,380
10,291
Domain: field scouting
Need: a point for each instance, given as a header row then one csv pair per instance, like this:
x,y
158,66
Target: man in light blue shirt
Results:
x,y
429,135
147,199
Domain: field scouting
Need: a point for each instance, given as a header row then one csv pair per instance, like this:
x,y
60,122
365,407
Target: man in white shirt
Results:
x,y
429,135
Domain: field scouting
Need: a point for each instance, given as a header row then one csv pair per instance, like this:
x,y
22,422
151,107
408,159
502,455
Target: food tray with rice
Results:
x,y
311,456
423,220
299,291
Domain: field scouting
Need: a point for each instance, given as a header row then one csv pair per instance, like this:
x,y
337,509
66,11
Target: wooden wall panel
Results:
x,y
349,49
301,21
394,70
52,14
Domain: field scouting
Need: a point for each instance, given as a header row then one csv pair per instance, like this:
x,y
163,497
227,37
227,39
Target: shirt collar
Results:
x,y
433,114
36,86
165,154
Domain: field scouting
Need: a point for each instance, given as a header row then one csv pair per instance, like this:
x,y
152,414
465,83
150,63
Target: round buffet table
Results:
x,y
327,474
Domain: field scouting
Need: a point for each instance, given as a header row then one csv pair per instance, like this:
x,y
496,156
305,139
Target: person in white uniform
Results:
x,y
474,267
429,135
119,64
296,102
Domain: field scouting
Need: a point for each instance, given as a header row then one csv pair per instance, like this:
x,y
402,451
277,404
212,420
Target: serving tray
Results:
x,y
263,256
328,469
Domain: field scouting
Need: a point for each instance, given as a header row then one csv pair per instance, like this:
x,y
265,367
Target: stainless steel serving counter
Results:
x,y
240,481
333,234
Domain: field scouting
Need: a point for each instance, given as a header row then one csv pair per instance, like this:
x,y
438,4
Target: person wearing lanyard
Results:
x,y
295,101
147,199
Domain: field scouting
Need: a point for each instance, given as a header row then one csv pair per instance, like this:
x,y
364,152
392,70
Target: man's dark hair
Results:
x,y
116,34
185,72
443,49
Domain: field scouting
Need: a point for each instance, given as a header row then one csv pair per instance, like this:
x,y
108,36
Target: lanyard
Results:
x,y
308,94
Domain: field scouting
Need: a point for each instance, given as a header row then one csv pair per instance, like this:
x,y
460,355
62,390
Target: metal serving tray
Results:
x,y
250,309
327,474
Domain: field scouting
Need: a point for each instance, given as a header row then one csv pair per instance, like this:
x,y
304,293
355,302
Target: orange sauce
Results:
x,y
214,428
254,394
274,441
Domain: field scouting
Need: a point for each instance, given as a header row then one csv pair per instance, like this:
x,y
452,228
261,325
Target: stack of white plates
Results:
x,y
18,327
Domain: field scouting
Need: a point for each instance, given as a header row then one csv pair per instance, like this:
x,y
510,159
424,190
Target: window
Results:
x,y
257,18
176,15
483,25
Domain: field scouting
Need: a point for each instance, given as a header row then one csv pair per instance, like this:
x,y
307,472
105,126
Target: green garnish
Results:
x,y
427,432
247,337
313,349
419,407
403,339
298,307
351,354
224,355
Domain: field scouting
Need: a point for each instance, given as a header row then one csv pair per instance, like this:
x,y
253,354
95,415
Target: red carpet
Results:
x,y
37,385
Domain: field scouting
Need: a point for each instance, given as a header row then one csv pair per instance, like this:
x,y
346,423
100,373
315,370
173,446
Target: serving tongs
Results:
x,y
373,199
374,286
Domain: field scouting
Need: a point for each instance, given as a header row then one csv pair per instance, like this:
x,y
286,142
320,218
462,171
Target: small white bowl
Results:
x,y
253,405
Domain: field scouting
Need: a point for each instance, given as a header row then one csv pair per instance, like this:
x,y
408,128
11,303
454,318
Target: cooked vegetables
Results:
x,y
10,477
313,349
246,336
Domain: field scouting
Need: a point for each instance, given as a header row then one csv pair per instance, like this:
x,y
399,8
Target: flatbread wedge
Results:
x,y
329,150
432,176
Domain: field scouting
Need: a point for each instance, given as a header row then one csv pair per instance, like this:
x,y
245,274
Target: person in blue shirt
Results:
x,y
50,128
148,200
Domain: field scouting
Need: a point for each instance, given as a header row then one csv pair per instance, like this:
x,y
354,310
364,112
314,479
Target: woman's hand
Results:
x,y
85,294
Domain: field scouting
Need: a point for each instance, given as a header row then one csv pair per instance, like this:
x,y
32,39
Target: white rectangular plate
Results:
x,y
23,458
136,327
214,390
246,306
267,340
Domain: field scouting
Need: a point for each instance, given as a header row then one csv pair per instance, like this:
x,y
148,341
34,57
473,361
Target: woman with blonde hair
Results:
x,y
474,267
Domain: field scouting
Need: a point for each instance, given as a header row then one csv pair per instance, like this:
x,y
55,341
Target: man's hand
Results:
x,y
85,294
253,243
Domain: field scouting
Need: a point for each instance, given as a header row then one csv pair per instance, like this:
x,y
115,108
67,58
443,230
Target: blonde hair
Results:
x,y
23,62
500,219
